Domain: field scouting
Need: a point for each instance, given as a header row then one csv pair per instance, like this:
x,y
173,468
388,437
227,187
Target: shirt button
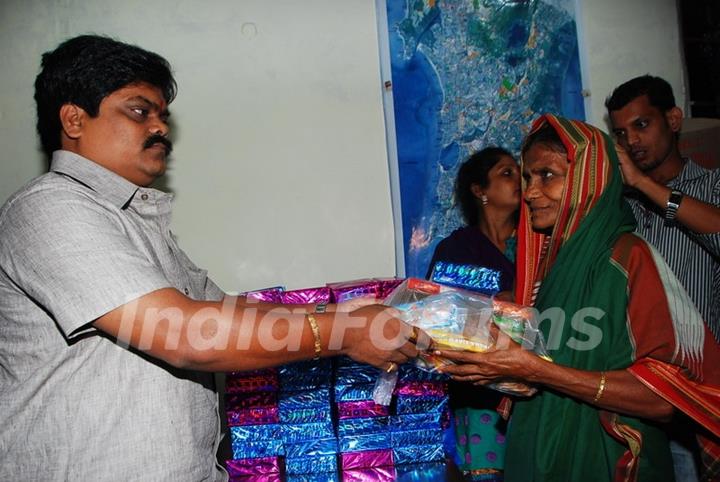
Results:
x,y
187,291
144,197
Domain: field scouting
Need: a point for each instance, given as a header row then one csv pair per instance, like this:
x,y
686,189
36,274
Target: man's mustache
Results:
x,y
157,138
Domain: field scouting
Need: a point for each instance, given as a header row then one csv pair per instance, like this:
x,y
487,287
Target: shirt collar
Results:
x,y
689,172
115,188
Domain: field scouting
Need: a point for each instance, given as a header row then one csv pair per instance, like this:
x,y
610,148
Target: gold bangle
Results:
x,y
316,334
601,388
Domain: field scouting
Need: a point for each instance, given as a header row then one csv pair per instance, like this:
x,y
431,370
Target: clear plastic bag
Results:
x,y
457,319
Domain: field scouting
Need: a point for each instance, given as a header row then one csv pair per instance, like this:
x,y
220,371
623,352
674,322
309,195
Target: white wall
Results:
x,y
280,166
622,39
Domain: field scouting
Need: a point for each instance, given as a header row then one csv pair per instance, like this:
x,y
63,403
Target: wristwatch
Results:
x,y
672,206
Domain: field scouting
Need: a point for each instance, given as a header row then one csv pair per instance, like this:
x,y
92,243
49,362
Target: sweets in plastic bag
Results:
x,y
458,319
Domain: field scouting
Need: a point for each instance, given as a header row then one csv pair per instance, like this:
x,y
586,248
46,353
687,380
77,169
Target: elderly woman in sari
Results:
x,y
630,346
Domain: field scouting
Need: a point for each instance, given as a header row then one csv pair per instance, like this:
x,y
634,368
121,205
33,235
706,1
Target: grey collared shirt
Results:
x,y
693,257
75,243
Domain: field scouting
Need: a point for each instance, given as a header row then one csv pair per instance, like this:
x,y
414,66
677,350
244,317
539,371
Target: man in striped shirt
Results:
x,y
675,201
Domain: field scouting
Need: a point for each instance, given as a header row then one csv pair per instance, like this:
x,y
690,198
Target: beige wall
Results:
x,y
280,166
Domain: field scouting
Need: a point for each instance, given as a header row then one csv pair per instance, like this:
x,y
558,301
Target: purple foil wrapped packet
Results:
x,y
305,296
467,276
253,466
361,409
362,443
294,433
267,295
374,474
311,465
258,381
253,416
320,446
429,389
241,401
418,453
369,458
386,285
240,433
258,448
348,290
258,478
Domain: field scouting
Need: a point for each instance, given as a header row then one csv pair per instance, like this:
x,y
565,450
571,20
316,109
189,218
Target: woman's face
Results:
x,y
503,189
544,171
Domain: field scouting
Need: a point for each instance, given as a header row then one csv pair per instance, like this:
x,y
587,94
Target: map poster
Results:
x,y
467,74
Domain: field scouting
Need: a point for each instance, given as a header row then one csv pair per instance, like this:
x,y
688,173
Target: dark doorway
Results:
x,y
700,24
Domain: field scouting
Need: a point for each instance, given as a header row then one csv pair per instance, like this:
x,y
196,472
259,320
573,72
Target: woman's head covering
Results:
x,y
592,174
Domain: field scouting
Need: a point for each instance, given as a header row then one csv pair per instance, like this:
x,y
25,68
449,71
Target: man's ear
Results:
x,y
674,118
72,118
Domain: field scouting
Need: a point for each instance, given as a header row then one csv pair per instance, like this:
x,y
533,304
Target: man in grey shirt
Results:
x,y
676,204
108,332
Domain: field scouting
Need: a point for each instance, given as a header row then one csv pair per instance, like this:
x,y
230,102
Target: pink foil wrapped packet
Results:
x,y
366,459
305,296
254,466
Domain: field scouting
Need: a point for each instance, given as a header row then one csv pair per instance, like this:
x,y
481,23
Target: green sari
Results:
x,y
554,437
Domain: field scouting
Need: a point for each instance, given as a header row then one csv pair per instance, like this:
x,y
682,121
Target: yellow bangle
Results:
x,y
316,334
601,388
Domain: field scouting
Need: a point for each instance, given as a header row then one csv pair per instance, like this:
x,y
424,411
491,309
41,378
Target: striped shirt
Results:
x,y
695,258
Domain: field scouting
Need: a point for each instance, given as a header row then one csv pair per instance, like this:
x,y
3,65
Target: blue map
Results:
x,y
467,74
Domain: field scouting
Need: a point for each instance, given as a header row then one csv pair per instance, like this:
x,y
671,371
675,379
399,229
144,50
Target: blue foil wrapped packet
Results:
x,y
293,433
304,399
354,393
416,421
307,375
354,375
407,404
406,438
306,415
357,426
323,446
418,454
361,443
241,433
246,449
326,477
311,465
467,276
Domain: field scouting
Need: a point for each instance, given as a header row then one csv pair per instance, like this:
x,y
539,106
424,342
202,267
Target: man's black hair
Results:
x,y
658,91
83,71
475,171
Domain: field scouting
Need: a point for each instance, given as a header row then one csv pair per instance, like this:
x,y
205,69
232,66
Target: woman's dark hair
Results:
x,y
86,69
547,136
475,171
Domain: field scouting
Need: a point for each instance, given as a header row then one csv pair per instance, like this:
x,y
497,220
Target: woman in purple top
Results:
x,y
488,191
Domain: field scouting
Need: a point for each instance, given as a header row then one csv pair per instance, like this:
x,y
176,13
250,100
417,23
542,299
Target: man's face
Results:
x,y
646,133
128,136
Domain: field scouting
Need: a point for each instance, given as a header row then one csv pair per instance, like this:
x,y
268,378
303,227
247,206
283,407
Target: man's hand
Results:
x,y
631,175
375,335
